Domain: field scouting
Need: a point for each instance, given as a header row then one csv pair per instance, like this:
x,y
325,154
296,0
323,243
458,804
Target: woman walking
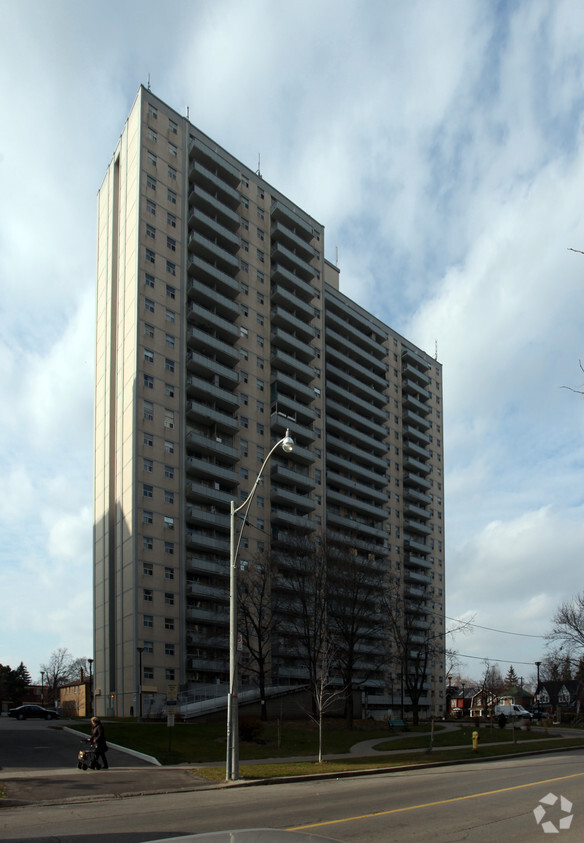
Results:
x,y
98,740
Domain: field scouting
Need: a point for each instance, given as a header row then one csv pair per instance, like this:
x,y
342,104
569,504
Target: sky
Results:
x,y
440,143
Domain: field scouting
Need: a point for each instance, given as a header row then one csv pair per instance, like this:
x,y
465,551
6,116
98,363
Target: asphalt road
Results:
x,y
480,802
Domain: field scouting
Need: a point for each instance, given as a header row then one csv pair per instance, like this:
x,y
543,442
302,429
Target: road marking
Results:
x,y
433,804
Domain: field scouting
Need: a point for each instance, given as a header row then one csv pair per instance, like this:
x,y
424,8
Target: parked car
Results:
x,y
23,712
512,711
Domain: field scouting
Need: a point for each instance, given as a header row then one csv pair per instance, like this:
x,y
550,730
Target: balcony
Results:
x,y
198,148
372,478
213,204
420,512
350,448
279,295
347,482
291,323
408,415
210,520
291,519
417,480
213,229
211,299
293,221
213,184
287,363
353,434
343,324
409,371
292,386
355,525
225,353
205,468
202,541
212,445
196,411
416,450
294,345
359,422
300,479
294,261
292,409
369,392
202,365
287,497
282,233
410,432
377,513
415,495
288,279
417,526
207,392
415,359
220,616
416,465
209,494
412,388
339,392
416,545
208,566
223,282
209,250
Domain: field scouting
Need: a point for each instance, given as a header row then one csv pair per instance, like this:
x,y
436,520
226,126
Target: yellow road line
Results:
x,y
433,804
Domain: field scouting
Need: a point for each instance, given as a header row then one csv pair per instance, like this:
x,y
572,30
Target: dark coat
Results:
x,y
98,736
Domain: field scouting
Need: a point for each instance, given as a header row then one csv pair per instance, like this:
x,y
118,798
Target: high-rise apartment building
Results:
x,y
220,325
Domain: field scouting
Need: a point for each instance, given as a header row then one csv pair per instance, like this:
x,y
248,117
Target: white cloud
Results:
x,y
440,146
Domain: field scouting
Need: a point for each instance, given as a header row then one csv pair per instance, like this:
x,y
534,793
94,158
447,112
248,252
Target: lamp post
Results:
x,y
90,687
140,651
537,664
232,760
42,687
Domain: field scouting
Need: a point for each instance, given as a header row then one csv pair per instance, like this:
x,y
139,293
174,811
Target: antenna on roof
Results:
x,y
435,349
148,81
187,112
336,255
258,171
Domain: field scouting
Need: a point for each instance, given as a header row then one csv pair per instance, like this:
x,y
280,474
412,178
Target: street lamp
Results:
x,y
537,664
42,687
90,687
140,651
232,761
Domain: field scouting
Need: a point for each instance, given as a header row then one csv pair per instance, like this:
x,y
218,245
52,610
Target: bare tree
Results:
x,y
57,672
326,691
416,641
355,597
258,611
568,624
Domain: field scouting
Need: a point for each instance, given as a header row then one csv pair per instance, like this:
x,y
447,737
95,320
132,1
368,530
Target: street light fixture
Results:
x,y
42,687
232,761
140,651
538,665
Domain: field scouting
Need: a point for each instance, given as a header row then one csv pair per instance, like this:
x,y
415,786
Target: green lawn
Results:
x,y
204,743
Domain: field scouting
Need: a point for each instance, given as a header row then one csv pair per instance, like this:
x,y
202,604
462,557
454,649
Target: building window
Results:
x,y
171,243
169,598
260,340
260,384
150,231
148,465
244,421
169,419
170,291
151,207
169,522
169,573
169,447
149,305
148,621
169,390
148,647
261,277
169,547
147,594
152,111
243,331
171,268
169,471
147,543
169,623
168,496
172,150
169,365
171,173
245,245
244,266
261,256
150,256
149,440
148,329
172,126
152,135
148,672
147,490
148,411
171,219
170,316
151,182
151,158
149,280
169,650
172,197
260,362
148,356
261,501
244,201
169,340
148,382
169,674
147,518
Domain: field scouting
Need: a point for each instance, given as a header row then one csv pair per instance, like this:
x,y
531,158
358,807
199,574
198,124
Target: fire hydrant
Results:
x,y
475,741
